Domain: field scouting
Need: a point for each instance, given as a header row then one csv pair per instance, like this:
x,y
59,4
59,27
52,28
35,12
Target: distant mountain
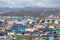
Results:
x,y
29,11
7,9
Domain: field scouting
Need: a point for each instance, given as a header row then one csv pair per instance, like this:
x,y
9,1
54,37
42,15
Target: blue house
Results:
x,y
17,22
48,38
3,33
22,29
45,22
13,29
35,33
58,31
51,37
48,30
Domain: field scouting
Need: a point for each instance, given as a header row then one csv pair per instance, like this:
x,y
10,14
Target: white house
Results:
x,y
11,33
56,22
30,29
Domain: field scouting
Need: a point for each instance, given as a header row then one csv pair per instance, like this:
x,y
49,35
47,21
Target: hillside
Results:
x,y
40,12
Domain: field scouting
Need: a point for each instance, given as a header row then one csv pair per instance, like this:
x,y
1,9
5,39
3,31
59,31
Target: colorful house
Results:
x,y
35,33
27,33
48,30
40,30
30,29
17,21
19,33
22,29
38,25
51,37
2,33
51,26
56,22
58,31
45,22
13,29
48,38
11,33
11,22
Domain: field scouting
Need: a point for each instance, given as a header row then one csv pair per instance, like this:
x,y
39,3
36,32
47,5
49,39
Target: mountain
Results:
x,y
29,11
7,9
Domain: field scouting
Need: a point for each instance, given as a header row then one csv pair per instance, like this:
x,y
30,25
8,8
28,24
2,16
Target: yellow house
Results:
x,y
51,26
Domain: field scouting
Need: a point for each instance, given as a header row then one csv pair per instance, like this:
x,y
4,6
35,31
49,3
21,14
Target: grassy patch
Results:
x,y
57,38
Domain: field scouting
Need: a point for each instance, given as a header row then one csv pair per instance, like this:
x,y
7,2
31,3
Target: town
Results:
x,y
30,28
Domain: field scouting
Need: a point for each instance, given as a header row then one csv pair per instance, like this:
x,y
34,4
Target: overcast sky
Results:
x,y
29,3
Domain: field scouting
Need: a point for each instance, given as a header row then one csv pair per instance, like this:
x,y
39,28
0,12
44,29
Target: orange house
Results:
x,y
10,21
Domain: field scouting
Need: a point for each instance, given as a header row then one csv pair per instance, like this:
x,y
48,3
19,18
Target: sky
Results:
x,y
29,3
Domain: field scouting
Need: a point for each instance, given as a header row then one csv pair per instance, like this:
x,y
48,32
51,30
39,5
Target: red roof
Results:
x,y
40,30
27,33
53,34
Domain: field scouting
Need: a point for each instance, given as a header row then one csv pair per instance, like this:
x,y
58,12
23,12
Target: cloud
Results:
x,y
29,3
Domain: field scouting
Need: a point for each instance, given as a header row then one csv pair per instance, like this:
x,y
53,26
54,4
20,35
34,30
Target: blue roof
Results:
x,y
48,30
35,33
18,32
3,33
45,22
49,37
58,31
17,22
13,28
18,29
22,29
